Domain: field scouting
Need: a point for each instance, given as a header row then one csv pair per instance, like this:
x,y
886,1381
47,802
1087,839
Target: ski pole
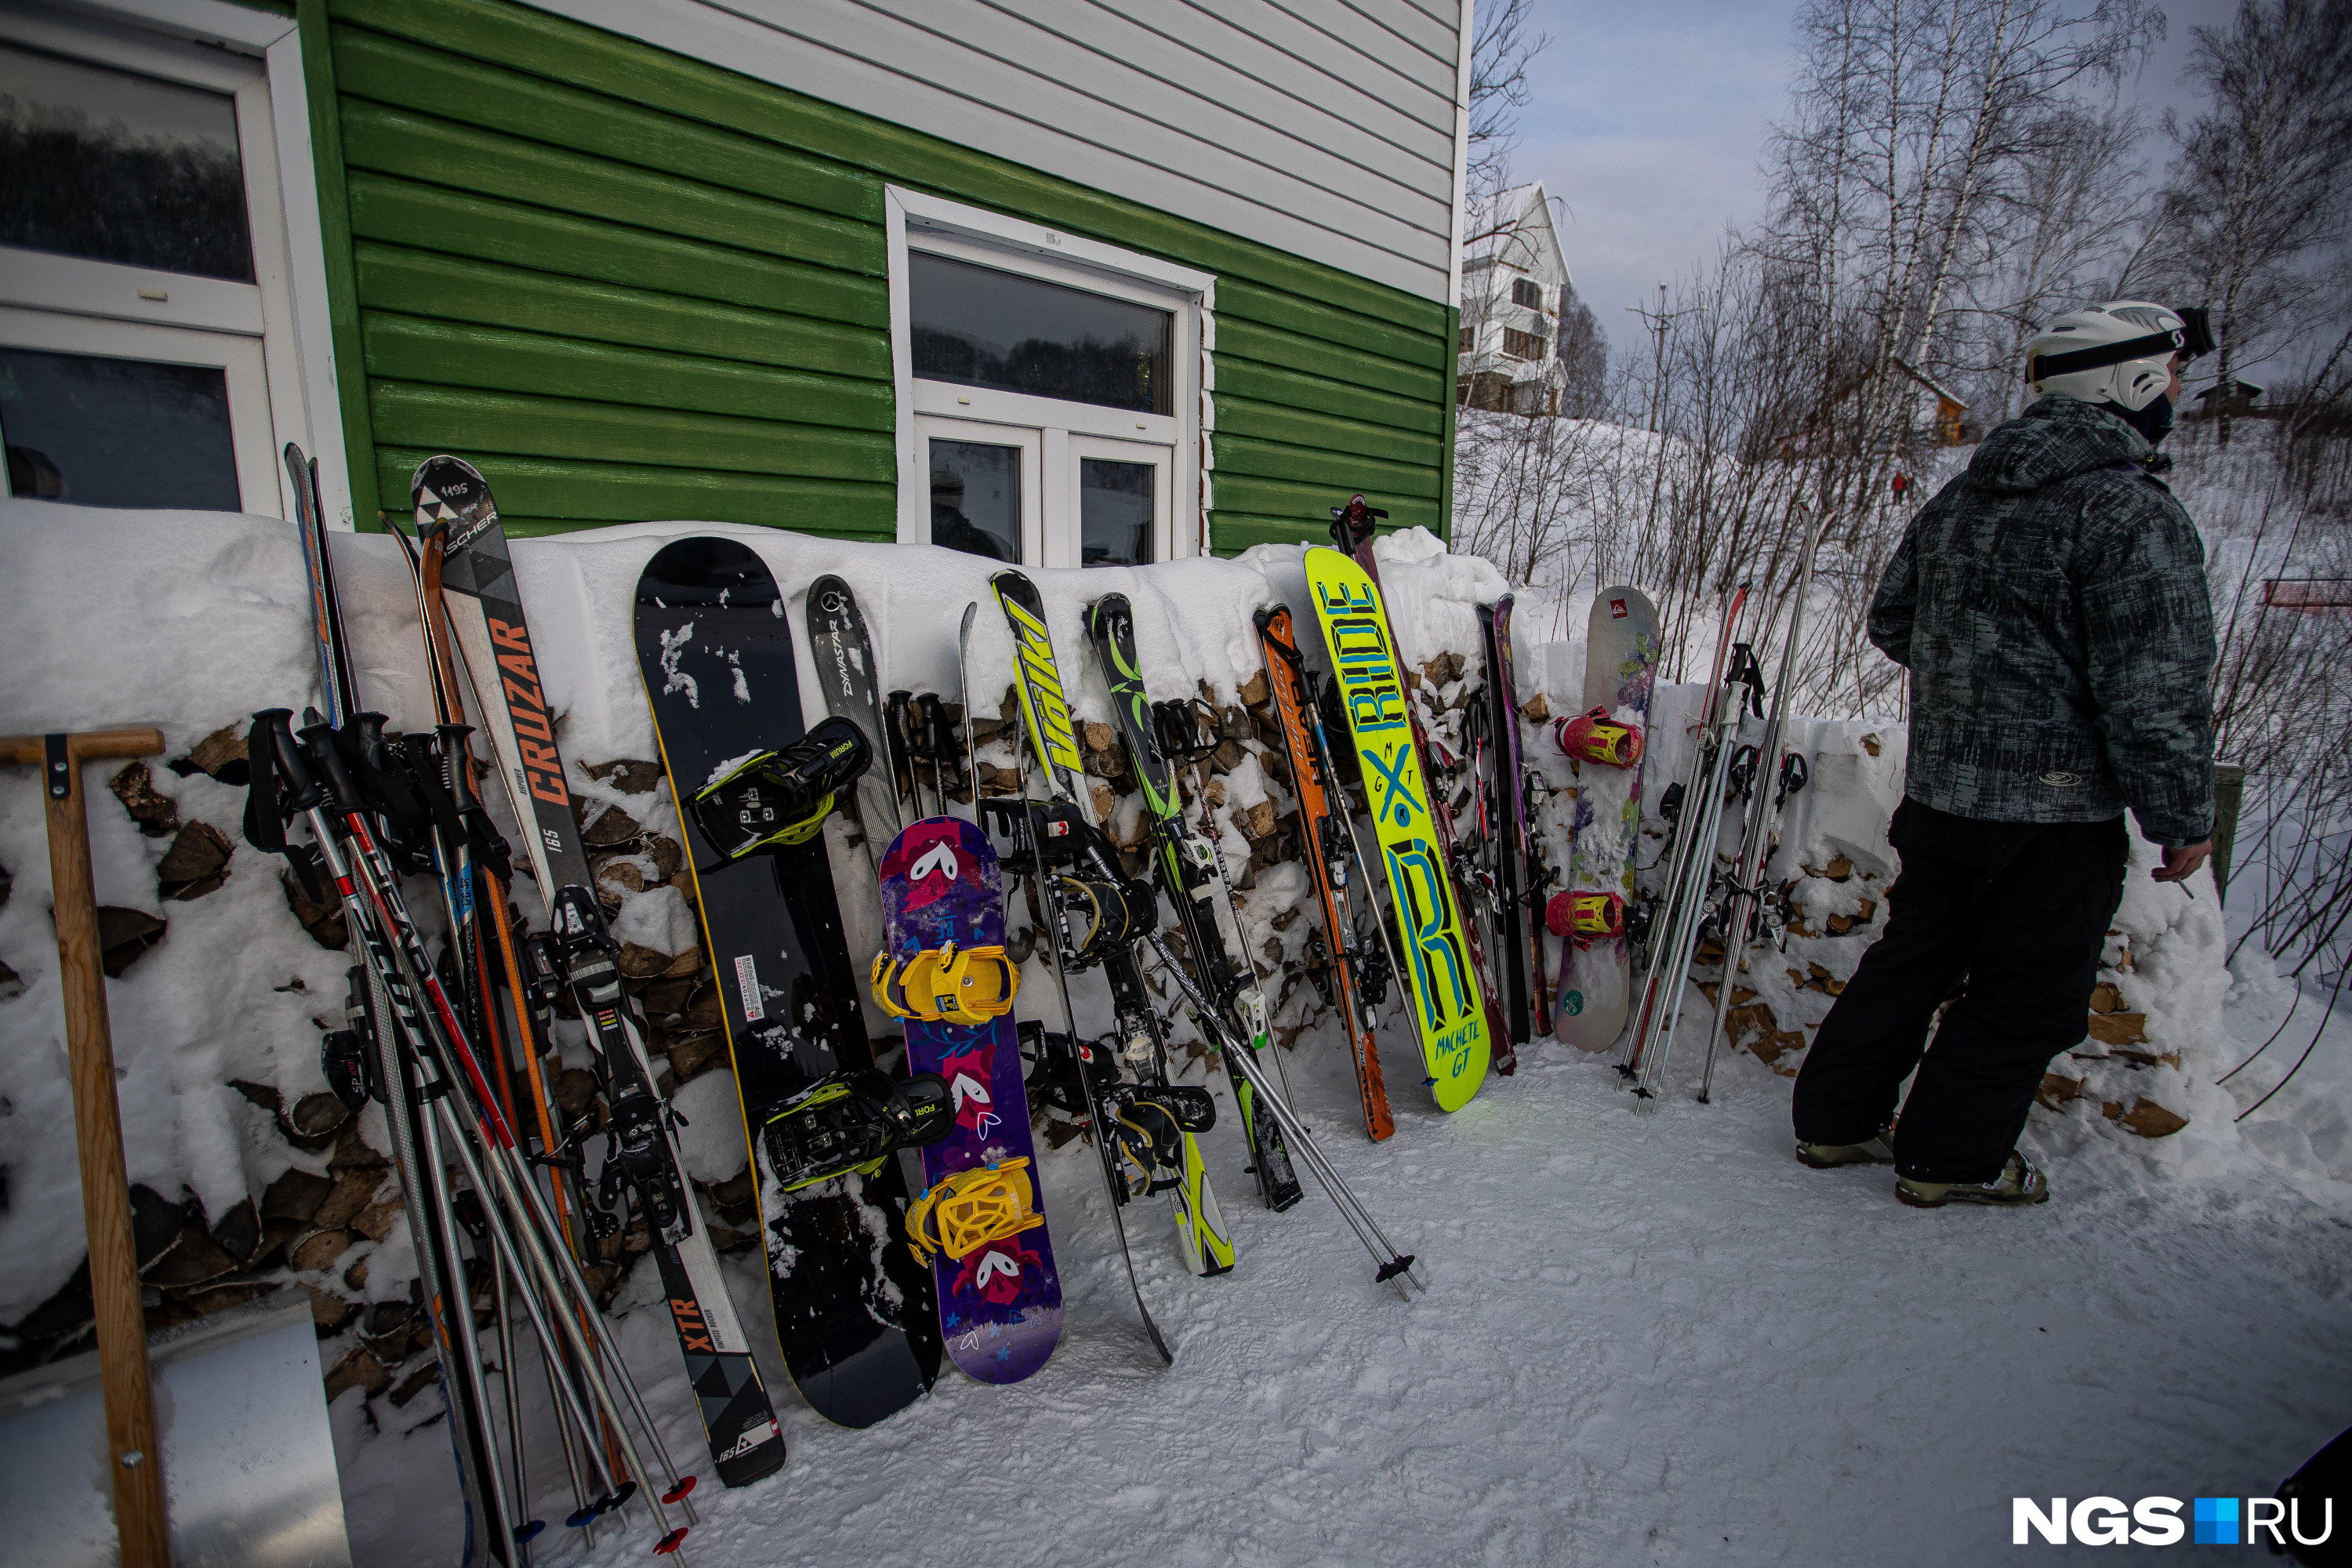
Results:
x,y
1393,1264
443,1038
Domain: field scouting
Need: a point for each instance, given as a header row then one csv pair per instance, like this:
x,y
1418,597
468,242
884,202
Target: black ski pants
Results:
x,y
2017,909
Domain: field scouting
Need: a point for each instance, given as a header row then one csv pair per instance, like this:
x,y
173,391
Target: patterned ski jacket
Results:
x,y
2051,605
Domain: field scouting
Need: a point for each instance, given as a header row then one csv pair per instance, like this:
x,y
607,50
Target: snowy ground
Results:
x,y
1648,1338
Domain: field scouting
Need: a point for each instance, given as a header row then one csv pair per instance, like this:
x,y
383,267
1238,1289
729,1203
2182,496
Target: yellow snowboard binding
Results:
x,y
947,984
965,1212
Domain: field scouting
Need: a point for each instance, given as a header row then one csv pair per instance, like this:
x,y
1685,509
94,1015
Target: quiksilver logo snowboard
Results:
x,y
2062,780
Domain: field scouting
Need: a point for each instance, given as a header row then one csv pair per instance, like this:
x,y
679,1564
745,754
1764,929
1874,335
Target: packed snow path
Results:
x,y
1648,1338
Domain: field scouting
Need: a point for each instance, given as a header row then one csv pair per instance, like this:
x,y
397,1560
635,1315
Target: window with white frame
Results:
x,y
1048,391
148,251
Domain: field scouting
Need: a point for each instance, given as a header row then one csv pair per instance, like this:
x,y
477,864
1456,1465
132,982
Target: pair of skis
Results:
x,y
1698,897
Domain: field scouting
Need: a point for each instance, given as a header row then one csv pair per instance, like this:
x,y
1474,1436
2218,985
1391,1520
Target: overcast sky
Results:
x,y
1648,124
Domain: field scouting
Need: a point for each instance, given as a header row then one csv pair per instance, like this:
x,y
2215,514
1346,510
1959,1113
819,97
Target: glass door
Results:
x,y
986,497
1121,490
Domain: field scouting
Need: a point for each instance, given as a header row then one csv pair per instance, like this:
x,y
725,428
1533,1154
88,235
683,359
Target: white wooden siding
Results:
x,y
1324,128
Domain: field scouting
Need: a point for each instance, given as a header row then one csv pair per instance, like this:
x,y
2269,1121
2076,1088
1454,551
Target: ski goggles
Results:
x,y
2191,340
946,985
963,1212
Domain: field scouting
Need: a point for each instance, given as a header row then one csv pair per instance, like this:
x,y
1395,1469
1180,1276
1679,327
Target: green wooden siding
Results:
x,y
632,286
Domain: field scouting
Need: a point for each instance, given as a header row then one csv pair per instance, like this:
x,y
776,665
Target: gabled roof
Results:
x,y
1524,234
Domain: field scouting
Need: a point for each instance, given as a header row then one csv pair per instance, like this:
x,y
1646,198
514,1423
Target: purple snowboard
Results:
x,y
1001,1307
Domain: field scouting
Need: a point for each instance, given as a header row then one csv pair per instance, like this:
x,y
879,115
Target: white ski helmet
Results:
x,y
2119,352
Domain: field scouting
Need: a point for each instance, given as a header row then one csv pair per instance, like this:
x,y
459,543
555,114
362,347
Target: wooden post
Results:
x,y
121,1326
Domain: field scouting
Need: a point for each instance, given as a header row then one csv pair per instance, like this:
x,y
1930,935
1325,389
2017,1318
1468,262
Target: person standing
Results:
x,y
2051,605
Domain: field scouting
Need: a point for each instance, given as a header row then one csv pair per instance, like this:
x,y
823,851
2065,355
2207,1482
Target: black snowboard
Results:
x,y
855,1314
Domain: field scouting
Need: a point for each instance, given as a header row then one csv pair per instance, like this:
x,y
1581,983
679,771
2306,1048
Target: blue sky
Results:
x,y
1649,121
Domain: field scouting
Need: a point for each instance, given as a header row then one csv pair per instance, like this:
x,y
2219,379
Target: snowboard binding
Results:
x,y
1099,918
947,984
849,1121
1595,737
963,1212
1147,1127
772,799
1052,1065
1586,918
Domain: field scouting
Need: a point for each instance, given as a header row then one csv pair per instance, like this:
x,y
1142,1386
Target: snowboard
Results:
x,y
1327,844
1449,1013
851,680
486,622
1001,1307
1502,1054
1621,661
855,1311
1187,864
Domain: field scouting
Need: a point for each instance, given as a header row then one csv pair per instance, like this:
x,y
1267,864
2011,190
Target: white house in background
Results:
x,y
1514,280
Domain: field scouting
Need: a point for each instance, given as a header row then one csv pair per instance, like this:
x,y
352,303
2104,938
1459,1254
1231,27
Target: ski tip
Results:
x,y
1167,1356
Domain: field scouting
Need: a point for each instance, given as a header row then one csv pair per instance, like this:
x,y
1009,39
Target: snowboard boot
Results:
x,y
1828,1156
2019,1183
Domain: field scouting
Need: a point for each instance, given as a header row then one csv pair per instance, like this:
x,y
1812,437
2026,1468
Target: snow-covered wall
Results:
x,y
191,621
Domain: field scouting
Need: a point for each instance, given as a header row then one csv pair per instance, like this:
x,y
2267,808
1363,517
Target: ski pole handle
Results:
x,y
318,742
276,727
458,758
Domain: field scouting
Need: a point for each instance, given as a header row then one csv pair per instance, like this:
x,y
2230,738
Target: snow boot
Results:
x,y
1870,1150
2019,1183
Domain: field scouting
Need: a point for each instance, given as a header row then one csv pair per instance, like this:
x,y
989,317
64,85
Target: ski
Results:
x,y
1354,976
1187,863
854,1310
1351,529
1449,1012
491,637
1735,680
1113,905
1604,744
945,975
1743,882
850,678
1505,828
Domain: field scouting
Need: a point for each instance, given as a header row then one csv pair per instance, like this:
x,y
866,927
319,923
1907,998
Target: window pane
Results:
x,y
976,498
975,326
116,167
117,432
1115,506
